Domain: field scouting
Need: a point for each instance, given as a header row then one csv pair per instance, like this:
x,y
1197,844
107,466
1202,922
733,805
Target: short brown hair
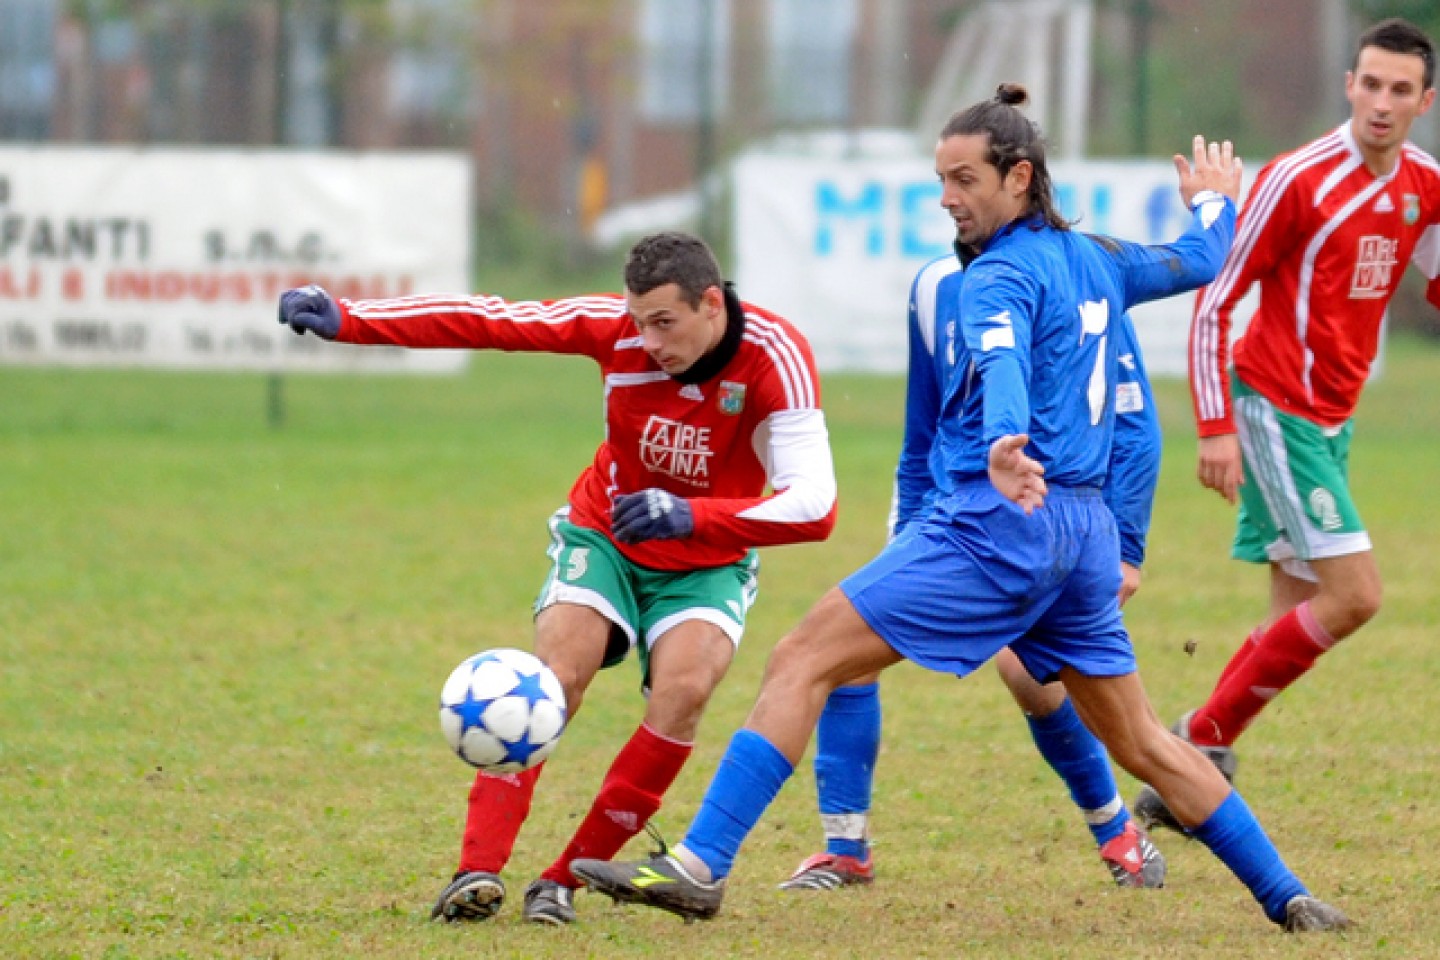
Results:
x,y
672,257
1400,36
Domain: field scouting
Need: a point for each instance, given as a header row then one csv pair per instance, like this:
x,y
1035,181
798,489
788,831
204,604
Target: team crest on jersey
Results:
x,y
732,397
1412,209
1374,264
676,449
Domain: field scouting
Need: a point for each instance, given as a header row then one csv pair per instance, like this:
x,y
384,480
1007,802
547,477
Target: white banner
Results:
x,y
833,243
177,257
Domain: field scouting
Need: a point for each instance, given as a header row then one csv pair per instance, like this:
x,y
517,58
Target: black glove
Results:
x,y
651,515
310,308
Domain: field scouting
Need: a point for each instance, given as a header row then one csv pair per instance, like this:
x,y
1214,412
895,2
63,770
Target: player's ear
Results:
x,y
713,299
1426,99
1018,179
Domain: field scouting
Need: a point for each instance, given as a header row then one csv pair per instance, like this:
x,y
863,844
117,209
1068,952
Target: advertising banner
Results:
x,y
177,257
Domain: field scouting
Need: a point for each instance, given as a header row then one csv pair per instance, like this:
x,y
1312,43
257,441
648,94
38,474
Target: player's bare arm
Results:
x,y
1214,167
1220,468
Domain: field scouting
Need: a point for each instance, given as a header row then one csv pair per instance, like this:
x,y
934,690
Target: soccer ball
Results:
x,y
502,711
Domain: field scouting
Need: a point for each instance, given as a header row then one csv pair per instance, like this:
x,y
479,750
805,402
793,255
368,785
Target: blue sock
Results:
x,y
750,775
1081,761
1234,835
846,747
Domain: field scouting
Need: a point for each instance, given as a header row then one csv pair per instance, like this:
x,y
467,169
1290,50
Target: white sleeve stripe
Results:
x,y
785,367
1204,344
1419,156
491,308
789,360
927,286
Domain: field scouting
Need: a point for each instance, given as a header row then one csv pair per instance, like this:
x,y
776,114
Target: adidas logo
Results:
x,y
625,818
691,392
1132,856
1384,204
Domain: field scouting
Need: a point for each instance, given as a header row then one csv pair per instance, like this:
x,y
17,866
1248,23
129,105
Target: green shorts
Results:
x,y
641,603
1295,503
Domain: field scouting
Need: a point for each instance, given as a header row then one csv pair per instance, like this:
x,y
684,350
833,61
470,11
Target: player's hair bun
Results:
x,y
1012,94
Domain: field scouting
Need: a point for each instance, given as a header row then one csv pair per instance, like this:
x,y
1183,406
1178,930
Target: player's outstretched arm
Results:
x,y
1019,478
1215,167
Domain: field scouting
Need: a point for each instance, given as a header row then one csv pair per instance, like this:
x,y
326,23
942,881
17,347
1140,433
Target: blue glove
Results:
x,y
651,515
310,308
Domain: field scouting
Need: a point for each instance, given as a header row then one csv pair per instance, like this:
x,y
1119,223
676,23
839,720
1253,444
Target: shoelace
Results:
x,y
655,835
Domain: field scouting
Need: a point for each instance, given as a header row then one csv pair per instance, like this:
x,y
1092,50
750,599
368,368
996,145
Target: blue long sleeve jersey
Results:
x,y
1037,314
943,371
935,354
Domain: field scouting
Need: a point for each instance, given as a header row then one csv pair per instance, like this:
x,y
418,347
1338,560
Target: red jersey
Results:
x,y
717,443
1327,241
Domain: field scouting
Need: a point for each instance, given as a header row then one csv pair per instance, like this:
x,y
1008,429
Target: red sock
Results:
x,y
498,807
1287,650
1240,656
630,795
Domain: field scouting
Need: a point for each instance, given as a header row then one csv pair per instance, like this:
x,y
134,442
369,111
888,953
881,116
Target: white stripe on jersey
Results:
x,y
1204,347
787,357
927,283
634,379
494,308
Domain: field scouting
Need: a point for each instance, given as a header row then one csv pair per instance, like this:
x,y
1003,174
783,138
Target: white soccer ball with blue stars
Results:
x,y
502,711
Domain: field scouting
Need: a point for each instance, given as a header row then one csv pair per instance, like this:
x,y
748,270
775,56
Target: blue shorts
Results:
x,y
975,574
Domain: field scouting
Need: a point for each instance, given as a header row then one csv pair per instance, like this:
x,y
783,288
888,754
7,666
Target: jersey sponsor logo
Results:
x,y
732,397
677,450
691,392
1374,265
1412,209
1384,204
1324,509
1128,398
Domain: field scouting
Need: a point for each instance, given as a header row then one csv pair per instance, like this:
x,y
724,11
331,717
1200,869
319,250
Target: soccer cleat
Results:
x,y
1133,860
549,902
660,882
827,871
472,896
1151,811
1305,914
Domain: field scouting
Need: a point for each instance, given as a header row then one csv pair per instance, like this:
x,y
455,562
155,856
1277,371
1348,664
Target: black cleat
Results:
x,y
469,898
660,882
1133,860
1305,914
549,902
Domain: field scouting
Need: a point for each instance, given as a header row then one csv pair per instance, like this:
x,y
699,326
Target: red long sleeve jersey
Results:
x,y
716,443
1327,241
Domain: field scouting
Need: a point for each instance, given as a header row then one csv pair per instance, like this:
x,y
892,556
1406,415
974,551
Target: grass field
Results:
x,y
221,643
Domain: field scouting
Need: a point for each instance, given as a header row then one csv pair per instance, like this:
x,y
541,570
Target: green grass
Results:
x,y
220,646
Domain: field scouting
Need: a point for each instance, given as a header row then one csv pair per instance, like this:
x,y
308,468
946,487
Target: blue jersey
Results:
x,y
935,356
1038,313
